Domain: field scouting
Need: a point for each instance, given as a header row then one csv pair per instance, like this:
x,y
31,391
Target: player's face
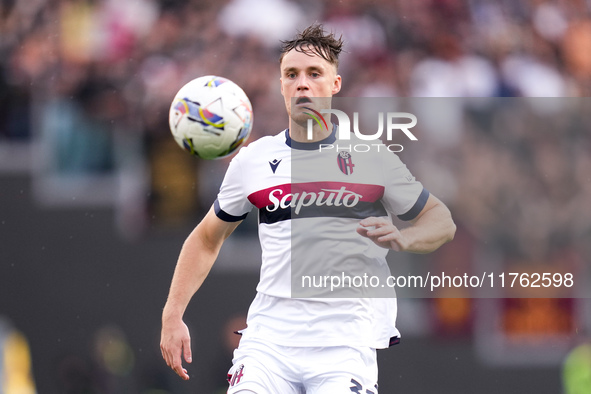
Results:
x,y
305,76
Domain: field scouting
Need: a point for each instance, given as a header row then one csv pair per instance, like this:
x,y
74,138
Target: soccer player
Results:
x,y
307,345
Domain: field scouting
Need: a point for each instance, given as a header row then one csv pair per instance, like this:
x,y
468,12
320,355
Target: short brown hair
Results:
x,y
313,40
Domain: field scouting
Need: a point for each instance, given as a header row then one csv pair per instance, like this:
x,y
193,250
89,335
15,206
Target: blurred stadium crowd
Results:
x,y
123,60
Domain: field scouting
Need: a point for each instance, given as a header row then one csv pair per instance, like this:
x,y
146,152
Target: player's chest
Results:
x,y
296,169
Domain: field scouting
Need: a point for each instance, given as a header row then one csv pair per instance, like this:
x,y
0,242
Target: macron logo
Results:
x,y
274,164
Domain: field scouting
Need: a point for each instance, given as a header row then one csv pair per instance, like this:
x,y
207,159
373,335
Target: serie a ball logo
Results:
x,y
210,117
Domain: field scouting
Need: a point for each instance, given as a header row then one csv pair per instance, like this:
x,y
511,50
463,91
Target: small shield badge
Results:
x,y
345,162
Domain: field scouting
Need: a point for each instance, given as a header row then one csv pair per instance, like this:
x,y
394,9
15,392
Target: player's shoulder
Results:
x,y
262,145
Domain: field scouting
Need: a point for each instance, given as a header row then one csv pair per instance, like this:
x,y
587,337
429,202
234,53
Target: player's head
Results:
x,y
314,41
308,65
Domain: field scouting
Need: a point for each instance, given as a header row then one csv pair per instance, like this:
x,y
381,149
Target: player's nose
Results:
x,y
302,83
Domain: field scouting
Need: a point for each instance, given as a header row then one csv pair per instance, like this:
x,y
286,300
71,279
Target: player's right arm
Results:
x,y
196,258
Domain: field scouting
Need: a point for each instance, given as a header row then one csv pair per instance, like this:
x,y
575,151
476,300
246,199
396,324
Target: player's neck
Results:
x,y
300,134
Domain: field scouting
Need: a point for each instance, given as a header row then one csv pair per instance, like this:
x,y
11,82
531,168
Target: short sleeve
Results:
x,y
404,196
232,204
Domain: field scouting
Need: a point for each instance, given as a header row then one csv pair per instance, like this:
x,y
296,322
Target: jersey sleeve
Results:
x,y
232,204
404,196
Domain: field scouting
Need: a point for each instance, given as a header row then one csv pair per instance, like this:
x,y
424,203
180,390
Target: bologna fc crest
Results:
x,y
345,162
235,378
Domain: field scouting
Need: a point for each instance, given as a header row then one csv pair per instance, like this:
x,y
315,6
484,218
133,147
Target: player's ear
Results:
x,y
337,85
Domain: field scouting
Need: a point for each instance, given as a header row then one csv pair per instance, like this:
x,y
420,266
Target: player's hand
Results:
x,y
174,343
383,233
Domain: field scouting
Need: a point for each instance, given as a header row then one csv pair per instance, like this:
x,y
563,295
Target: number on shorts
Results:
x,y
357,388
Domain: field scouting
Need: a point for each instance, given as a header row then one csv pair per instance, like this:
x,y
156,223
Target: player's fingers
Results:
x,y
178,367
394,239
182,372
177,362
164,354
382,231
187,350
373,221
362,231
170,360
168,353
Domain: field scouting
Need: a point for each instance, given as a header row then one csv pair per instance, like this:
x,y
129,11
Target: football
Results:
x,y
210,117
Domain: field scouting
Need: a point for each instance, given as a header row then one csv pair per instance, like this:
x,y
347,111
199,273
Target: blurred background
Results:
x,y
96,198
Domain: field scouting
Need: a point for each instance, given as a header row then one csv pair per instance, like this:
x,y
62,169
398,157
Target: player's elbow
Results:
x,y
446,223
450,228
451,231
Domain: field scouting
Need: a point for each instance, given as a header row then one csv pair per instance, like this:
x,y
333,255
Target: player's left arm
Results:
x,y
430,229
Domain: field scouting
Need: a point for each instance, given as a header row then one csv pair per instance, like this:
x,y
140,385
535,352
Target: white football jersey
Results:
x,y
310,198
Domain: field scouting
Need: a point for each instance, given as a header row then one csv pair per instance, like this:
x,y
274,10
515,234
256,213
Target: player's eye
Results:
x,y
290,75
315,75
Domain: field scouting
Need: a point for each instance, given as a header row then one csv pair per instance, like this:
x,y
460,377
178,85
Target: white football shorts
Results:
x,y
267,368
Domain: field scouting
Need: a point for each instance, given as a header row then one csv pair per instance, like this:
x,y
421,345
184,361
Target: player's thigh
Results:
x,y
260,375
352,370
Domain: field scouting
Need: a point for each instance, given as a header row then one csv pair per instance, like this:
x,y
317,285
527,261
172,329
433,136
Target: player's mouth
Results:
x,y
303,100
